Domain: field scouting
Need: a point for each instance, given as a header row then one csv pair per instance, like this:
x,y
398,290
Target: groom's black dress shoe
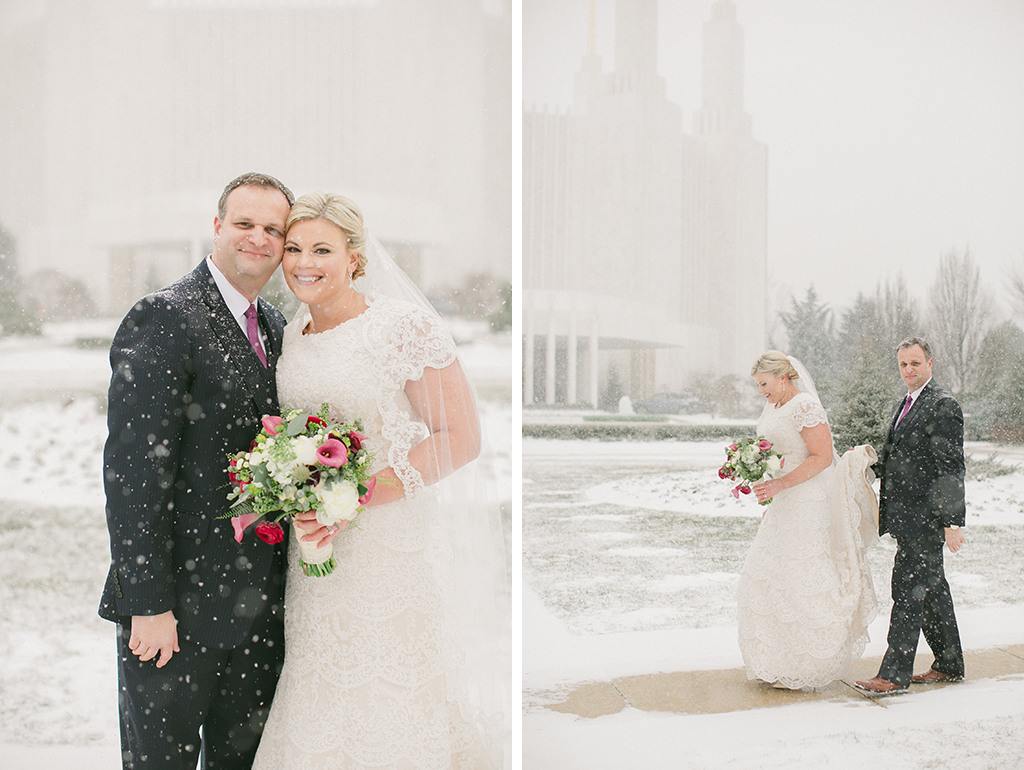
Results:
x,y
877,686
931,676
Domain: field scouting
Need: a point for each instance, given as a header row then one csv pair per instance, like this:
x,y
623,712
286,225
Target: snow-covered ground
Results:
x,y
631,557
58,694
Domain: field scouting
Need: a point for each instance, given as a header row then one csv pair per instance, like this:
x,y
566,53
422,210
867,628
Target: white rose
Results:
x,y
338,503
774,463
305,450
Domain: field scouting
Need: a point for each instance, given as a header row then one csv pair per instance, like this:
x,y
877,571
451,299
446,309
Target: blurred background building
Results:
x,y
122,120
644,246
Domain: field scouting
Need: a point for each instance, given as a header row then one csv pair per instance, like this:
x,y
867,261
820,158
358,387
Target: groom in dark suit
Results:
x,y
921,504
200,632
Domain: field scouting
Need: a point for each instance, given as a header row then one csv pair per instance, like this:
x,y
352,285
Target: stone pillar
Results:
x,y
528,353
595,370
549,372
570,364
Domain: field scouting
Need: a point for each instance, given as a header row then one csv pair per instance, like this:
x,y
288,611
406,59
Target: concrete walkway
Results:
x,y
717,692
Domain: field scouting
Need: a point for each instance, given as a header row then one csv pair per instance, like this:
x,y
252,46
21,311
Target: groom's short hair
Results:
x,y
252,179
910,342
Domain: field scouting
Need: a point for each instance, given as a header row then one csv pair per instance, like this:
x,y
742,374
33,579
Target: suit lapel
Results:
x,y
916,413
253,378
274,333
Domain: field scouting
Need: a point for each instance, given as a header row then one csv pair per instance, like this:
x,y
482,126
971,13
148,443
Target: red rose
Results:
x,y
270,532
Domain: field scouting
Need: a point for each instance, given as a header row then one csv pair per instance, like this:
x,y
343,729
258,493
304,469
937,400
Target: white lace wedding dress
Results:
x,y
803,610
368,675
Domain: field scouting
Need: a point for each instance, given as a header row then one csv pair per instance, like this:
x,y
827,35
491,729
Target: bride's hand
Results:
x,y
317,533
767,490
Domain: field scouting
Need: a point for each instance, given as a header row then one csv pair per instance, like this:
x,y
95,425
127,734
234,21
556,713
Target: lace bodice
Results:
x,y
782,426
361,367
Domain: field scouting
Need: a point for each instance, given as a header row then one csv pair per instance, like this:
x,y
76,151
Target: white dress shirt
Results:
x,y
237,302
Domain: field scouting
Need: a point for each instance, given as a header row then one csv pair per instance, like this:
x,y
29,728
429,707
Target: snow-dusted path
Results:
x,y
631,552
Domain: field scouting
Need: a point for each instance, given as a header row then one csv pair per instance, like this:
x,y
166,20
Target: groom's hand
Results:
x,y
152,634
954,539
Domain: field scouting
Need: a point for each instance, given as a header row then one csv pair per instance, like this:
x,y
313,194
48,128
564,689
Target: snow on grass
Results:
x,y
58,679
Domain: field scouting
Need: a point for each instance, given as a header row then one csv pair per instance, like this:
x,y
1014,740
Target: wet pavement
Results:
x,y
717,692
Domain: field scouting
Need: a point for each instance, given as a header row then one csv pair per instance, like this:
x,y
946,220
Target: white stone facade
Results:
x,y
126,118
644,246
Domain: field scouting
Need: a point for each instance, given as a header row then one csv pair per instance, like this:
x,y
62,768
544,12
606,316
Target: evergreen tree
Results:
x,y
997,411
15,318
865,400
501,318
861,324
810,327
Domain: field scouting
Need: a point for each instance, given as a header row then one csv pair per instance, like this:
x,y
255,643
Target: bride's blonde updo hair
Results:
x,y
340,212
776,364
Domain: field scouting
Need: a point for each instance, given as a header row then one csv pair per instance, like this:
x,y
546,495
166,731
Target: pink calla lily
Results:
x,y
364,499
333,453
271,424
239,523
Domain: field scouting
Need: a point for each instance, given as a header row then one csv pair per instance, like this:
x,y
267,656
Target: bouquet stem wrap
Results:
x,y
316,562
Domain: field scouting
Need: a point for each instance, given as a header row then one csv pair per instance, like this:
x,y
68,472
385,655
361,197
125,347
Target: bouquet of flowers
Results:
x,y
301,462
750,461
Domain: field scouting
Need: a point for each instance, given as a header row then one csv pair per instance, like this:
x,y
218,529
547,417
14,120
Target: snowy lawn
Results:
x,y
631,560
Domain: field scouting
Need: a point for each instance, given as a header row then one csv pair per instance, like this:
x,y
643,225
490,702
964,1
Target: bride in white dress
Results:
x,y
392,660
805,593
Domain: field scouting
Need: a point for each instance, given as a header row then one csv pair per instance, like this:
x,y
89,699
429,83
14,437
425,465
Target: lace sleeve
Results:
x,y
406,341
419,341
808,413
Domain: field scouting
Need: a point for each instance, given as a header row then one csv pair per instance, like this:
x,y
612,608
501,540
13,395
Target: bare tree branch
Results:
x,y
960,312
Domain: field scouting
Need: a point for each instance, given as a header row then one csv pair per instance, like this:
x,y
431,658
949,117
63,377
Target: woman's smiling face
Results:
x,y
772,387
317,262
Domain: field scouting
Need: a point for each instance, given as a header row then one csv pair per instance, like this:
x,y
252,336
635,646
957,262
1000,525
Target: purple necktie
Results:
x,y
252,328
906,408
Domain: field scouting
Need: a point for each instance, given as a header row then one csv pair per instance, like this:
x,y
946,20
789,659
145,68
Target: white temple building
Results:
x,y
644,246
124,119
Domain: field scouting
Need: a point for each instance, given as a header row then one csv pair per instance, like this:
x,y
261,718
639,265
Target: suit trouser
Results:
x,y
921,603
226,692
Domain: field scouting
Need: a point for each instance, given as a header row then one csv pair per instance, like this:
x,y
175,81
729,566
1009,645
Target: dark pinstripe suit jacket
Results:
x,y
186,390
922,468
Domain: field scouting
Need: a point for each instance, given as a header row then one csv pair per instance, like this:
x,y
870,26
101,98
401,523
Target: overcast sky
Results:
x,y
895,129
